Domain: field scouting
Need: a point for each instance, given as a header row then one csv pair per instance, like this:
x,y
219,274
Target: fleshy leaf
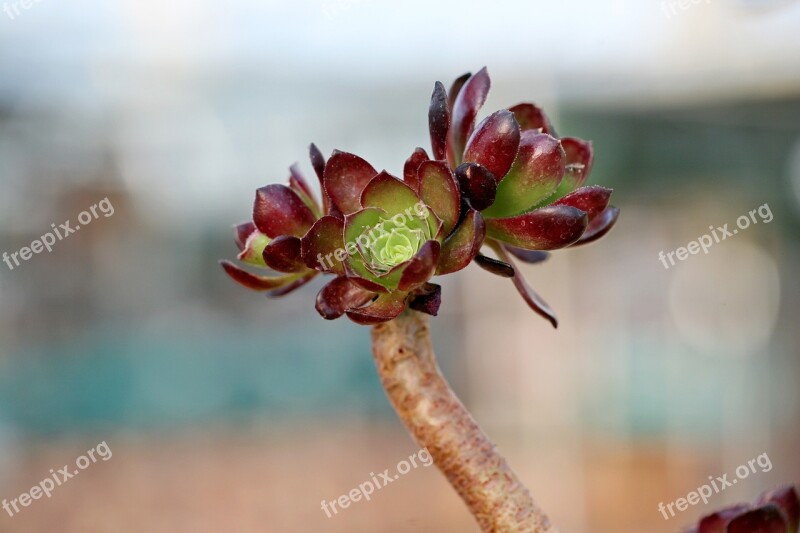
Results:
x,y
243,231
254,248
355,225
477,184
421,268
766,519
716,522
341,294
531,117
463,245
536,173
319,245
385,308
455,89
411,168
318,162
283,254
278,210
786,498
439,190
527,256
495,266
533,300
439,121
345,177
465,108
427,299
386,192
298,184
254,282
579,157
495,143
548,228
593,200
601,225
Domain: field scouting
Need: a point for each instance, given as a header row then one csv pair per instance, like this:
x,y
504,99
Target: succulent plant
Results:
x,y
508,183
776,511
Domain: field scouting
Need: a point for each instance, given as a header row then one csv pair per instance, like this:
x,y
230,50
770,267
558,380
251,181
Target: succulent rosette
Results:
x,y
527,183
776,511
508,183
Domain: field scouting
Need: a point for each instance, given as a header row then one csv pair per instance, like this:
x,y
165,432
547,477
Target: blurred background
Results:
x,y
229,412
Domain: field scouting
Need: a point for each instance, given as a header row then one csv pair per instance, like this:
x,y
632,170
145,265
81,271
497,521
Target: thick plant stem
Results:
x,y
439,422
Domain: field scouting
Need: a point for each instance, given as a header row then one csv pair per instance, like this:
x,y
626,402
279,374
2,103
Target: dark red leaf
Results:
x,y
766,519
528,256
463,245
716,522
455,89
386,307
427,299
346,175
243,231
469,101
278,210
338,296
293,286
478,185
786,498
495,143
601,225
548,228
421,267
318,247
411,168
531,117
439,191
254,282
593,200
439,121
533,300
495,266
283,254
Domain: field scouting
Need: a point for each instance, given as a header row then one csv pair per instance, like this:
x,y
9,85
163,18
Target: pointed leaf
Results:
x,y
298,184
478,185
385,308
319,245
283,254
421,267
535,175
531,117
411,168
257,283
338,296
548,228
495,266
439,121
427,299
455,89
601,225
463,245
533,300
495,143
318,162
579,158
345,177
279,211
469,101
439,190
386,192
593,200
243,231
